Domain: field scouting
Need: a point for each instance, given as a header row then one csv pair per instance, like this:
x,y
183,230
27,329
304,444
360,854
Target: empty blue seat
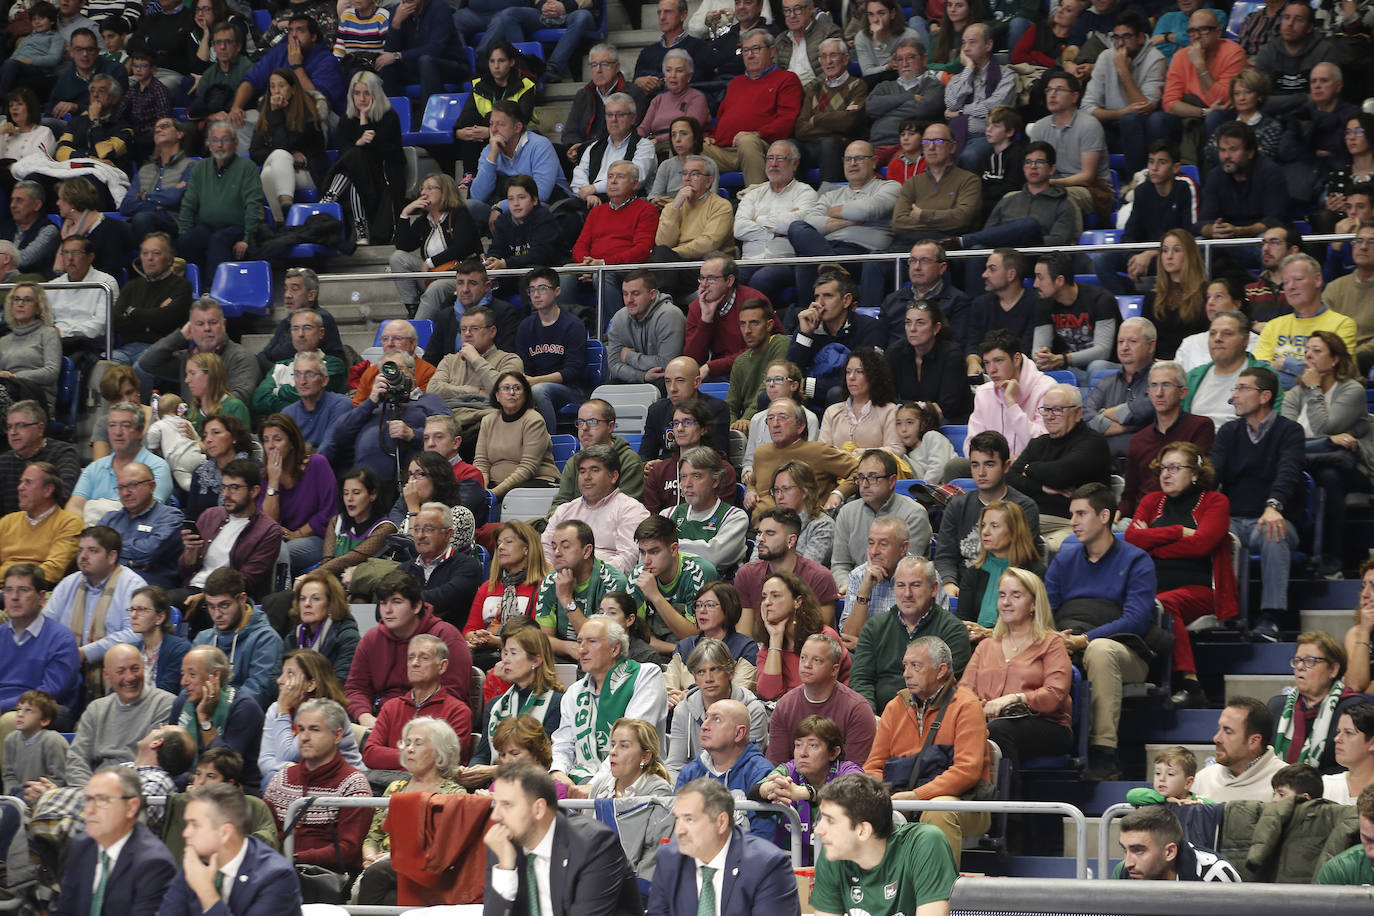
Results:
x,y
872,311
956,436
243,287
63,423
1130,306
193,278
1063,375
564,446
436,124
1100,237
716,389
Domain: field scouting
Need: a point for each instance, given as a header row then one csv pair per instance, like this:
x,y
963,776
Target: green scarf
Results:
x,y
188,720
592,727
508,706
1315,744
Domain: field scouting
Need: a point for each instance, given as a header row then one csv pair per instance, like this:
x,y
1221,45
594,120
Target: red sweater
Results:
x,y
768,105
721,339
492,594
623,236
379,665
464,471
1212,517
316,830
381,752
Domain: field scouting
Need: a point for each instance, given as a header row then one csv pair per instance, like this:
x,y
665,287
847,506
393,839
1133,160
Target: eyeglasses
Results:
x,y
1053,411
16,427
1195,31
474,328
782,491
102,801
794,10
753,49
510,389
130,487
590,423
1235,388
1120,38
235,487
870,478
1037,163
307,374
704,605
1362,243
694,173
778,158
223,42
1174,468
1306,661
935,142
925,262
775,380
619,114
83,49
539,288
711,278
603,64
683,423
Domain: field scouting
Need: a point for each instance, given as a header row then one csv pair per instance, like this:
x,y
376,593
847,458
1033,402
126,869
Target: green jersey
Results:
x,y
549,613
692,574
1351,867
917,868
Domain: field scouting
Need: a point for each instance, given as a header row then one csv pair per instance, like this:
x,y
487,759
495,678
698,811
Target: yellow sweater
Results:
x,y
51,543
1286,336
700,227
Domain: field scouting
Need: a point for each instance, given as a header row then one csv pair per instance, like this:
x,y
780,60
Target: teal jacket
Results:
x,y
1195,379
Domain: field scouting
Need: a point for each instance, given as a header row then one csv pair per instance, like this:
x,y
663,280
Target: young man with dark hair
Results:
x,y
1167,201
865,860
665,583
1244,762
236,534
1126,84
1007,305
553,346
575,585
47,659
1078,323
1154,850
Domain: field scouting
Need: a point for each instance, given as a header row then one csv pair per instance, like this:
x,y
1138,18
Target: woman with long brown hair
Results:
x,y
298,489
305,675
1007,542
1177,305
788,616
1329,401
288,142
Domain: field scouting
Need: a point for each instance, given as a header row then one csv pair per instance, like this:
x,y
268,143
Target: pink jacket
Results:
x,y
1020,423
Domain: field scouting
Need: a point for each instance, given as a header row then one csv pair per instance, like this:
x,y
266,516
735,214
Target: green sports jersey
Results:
x,y
1351,867
588,595
917,868
692,574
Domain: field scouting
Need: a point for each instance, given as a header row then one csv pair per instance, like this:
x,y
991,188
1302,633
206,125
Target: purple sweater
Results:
x,y
311,500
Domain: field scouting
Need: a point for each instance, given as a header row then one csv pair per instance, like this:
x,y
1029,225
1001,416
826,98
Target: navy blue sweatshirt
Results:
x,y
560,347
1153,215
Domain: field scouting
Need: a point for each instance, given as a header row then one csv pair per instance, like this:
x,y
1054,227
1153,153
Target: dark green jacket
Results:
x,y
219,199
877,671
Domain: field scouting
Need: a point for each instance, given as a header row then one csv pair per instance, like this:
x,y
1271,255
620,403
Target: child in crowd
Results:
x,y
33,751
172,438
927,449
38,53
114,32
1298,779
1175,768
908,161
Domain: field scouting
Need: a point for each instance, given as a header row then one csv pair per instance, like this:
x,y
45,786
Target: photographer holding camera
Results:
x,y
387,428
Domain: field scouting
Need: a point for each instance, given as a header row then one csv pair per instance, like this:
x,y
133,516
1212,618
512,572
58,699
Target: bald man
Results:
x,y
735,761
397,334
682,378
151,530
111,727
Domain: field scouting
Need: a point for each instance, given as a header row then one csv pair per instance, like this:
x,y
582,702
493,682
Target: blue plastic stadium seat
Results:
x,y
872,311
1130,306
1100,237
262,19
243,287
193,278
956,436
69,386
436,124
716,389
564,447
596,372
402,106
1063,376
297,216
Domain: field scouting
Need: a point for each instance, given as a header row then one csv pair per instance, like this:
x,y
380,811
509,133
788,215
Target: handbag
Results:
x,y
320,884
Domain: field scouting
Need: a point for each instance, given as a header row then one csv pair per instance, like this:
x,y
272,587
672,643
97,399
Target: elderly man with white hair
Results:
x,y
622,143
222,205
621,232
832,111
1119,404
766,213
615,687
398,335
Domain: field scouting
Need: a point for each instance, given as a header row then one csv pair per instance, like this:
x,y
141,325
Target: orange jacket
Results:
x,y
901,734
436,847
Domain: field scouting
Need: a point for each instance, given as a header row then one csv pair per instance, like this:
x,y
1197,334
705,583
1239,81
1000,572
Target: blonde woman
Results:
x,y
434,232
1006,542
527,665
1022,674
370,171
208,386
31,355
635,766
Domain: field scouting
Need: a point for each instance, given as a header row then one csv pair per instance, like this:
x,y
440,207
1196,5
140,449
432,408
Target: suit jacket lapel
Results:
x,y
733,858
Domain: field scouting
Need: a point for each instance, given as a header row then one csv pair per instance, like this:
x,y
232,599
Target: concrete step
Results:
x,y
1333,622
1259,686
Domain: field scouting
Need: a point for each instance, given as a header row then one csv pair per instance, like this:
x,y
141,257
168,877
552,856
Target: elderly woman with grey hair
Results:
x,y
31,354
432,755
677,100
712,666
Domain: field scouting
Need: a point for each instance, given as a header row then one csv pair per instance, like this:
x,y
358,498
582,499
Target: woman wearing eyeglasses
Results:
x,y
150,617
513,444
31,354
1307,716
691,426
1354,172
1185,527
298,489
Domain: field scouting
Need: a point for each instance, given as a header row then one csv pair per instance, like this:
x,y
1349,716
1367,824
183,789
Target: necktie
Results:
x,y
706,900
219,884
532,885
98,899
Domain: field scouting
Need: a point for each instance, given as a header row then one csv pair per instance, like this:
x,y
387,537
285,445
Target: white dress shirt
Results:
x,y
717,879
506,881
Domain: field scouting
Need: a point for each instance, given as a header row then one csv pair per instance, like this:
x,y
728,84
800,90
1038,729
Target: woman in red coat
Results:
x,y
1185,527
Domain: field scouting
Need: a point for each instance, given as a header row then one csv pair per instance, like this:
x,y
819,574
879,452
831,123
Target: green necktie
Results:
x,y
532,885
706,900
219,884
98,899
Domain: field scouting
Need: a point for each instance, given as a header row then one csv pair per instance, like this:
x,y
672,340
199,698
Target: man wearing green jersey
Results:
x,y
1355,866
665,583
868,867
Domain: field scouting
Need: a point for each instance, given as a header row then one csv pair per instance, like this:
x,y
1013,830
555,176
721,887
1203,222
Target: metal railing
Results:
x,y
1104,829
898,259
288,843
52,286
1080,821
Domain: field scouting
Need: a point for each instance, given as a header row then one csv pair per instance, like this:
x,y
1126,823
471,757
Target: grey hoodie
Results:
x,y
653,340
1288,73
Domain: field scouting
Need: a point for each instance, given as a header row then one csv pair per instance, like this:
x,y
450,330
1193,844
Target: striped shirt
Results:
x,y
362,36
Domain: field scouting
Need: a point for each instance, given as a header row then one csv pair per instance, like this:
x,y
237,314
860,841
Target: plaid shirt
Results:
x,y
1256,31
142,107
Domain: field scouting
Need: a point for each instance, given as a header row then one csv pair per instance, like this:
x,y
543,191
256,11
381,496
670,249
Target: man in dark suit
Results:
x,y
119,866
576,864
226,871
711,862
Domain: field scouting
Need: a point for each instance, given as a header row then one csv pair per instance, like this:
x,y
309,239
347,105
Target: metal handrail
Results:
x,y
1080,822
357,801
84,284
1104,828
897,257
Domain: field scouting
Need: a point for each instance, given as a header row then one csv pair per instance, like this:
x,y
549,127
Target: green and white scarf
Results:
x,y
508,706
188,720
592,726
1315,744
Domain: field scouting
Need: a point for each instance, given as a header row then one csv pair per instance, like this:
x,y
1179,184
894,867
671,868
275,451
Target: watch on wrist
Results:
x,y
271,491
207,725
570,607
1275,505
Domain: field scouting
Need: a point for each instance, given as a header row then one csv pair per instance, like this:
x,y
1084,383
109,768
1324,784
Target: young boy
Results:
x,y
1166,201
1001,171
908,161
1175,768
114,32
32,751
36,55
1298,779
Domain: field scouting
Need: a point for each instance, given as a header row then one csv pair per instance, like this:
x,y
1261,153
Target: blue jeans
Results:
x,y
1017,30
772,282
209,247
153,221
476,16
976,149
514,24
128,354
1276,558
550,397
305,552
811,244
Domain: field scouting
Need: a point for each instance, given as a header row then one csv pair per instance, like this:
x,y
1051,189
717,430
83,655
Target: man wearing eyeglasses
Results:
x,y
449,578
236,533
72,92
1168,387
1126,86
79,314
465,377
760,107
25,426
621,142
151,530
1080,146
214,92
696,223
1068,456
1351,295
799,46
943,200
915,95
878,497
1201,73
587,116
975,91
1258,457
118,865
280,388
714,336
596,426
1118,404
315,410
